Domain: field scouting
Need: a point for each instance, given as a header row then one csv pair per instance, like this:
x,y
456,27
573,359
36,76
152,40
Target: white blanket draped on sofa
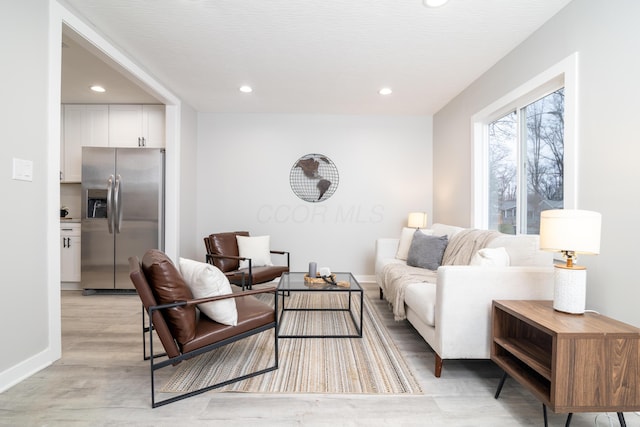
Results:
x,y
460,249
397,277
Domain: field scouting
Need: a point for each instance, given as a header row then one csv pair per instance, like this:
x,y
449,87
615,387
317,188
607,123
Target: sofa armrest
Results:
x,y
463,303
386,248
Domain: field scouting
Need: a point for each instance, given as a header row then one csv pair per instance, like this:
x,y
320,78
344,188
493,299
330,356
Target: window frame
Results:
x,y
563,74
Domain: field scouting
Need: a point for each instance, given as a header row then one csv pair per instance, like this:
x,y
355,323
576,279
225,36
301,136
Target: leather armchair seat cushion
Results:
x,y
260,274
252,313
168,287
226,244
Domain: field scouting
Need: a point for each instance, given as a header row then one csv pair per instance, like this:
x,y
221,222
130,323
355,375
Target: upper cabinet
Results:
x,y
117,125
136,125
83,125
153,125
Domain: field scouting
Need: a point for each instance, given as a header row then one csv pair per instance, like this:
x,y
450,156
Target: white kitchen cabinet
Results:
x,y
70,252
153,125
83,125
136,125
102,125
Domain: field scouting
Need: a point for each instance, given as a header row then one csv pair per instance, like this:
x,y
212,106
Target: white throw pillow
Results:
x,y
491,257
256,248
406,236
205,280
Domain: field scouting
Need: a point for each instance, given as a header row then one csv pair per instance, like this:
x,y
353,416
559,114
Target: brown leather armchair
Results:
x,y
222,251
171,312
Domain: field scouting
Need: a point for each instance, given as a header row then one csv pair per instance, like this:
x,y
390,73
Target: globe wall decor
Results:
x,y
314,178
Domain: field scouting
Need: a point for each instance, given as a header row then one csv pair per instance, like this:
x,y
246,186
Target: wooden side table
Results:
x,y
571,363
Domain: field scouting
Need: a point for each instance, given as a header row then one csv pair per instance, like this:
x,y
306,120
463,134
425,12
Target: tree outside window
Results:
x,y
526,150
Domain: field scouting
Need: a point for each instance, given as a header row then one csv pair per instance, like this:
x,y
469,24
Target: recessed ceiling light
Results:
x,y
246,89
385,91
435,3
97,88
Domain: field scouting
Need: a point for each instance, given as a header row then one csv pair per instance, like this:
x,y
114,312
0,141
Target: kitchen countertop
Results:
x,y
68,220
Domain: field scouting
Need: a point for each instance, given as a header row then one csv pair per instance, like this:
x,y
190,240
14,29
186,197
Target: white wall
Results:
x,y
26,331
30,253
606,37
244,162
188,182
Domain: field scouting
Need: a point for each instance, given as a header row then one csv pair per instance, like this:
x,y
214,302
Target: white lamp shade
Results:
x,y
417,220
570,230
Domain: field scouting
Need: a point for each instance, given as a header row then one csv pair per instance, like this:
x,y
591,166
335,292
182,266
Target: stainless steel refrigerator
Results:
x,y
122,212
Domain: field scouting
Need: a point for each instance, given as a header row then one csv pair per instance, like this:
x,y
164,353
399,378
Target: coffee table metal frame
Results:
x,y
294,282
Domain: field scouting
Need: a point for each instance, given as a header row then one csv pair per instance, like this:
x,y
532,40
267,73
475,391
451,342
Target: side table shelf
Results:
x,y
527,370
533,356
571,363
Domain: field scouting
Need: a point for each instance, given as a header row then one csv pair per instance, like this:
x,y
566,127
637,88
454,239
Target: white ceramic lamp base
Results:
x,y
570,292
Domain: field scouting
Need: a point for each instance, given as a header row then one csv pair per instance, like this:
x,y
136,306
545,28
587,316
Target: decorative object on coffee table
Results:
x,y
325,280
313,268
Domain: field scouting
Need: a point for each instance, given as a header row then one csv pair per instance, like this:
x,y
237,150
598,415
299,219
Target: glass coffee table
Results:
x,y
320,310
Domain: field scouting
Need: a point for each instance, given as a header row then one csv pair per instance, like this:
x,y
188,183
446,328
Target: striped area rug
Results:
x,y
368,365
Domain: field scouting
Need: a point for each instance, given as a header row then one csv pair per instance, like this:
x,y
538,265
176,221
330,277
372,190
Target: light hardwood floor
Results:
x,y
102,380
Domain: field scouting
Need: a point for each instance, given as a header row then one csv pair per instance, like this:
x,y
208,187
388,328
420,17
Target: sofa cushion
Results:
x,y
421,297
523,249
168,287
445,230
491,257
426,251
252,313
406,236
205,280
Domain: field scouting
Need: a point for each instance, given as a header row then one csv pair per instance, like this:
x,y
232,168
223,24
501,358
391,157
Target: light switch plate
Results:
x,y
22,170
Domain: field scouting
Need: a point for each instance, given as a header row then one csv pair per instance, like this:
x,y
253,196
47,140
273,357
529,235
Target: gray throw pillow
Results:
x,y
426,251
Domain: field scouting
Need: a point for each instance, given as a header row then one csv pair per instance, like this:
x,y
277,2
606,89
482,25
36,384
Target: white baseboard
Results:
x,y
25,369
71,286
366,278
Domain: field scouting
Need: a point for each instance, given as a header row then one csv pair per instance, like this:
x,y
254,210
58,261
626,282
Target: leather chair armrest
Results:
x,y
271,289
239,258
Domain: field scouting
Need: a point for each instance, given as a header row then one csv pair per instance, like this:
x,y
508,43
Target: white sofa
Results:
x,y
452,309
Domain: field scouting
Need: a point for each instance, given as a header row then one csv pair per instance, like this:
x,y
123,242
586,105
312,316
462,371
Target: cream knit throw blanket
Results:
x,y
396,278
463,246
460,249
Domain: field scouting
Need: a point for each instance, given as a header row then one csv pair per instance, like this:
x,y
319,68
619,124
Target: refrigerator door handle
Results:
x,y
110,203
118,205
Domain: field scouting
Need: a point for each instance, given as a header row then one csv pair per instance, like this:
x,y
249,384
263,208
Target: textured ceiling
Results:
x,y
316,56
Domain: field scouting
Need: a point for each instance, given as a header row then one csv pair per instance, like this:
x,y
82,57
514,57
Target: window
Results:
x,y
526,157
524,153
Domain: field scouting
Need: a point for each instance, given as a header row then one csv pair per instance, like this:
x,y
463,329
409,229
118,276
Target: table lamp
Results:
x,y
417,220
570,232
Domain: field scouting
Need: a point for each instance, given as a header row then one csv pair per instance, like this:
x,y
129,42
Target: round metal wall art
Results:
x,y
314,178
